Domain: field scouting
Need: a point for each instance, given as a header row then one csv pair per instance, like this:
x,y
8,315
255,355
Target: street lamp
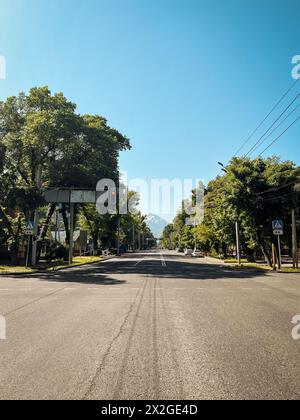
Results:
x,y
223,167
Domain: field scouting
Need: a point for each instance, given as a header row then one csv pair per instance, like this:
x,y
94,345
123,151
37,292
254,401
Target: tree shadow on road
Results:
x,y
92,275
186,269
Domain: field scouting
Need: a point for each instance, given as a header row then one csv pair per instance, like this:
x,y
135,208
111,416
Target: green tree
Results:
x,y
41,134
253,192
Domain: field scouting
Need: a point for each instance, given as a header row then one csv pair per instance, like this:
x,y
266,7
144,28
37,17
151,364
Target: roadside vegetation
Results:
x,y
253,192
45,143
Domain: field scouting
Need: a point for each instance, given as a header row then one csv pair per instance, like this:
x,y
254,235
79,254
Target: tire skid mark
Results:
x,y
101,366
176,364
155,343
121,380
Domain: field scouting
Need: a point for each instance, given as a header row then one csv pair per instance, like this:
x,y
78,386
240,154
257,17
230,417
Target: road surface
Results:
x,y
150,326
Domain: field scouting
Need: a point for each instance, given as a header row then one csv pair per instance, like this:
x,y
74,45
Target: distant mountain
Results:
x,y
156,224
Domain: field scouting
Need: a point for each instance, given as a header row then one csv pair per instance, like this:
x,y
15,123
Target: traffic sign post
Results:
x,y
278,231
277,227
28,250
29,231
279,253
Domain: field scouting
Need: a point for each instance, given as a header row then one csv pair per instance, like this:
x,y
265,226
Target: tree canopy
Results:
x,y
43,133
252,192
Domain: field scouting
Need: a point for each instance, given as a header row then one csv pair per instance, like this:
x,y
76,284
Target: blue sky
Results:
x,y
186,81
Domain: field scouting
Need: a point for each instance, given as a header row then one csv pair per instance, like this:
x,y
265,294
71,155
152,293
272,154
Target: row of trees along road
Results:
x,y
253,192
43,133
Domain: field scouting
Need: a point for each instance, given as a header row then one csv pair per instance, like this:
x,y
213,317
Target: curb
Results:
x,y
56,269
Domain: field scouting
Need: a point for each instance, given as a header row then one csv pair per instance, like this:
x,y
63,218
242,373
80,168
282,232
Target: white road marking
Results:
x,y
139,262
163,261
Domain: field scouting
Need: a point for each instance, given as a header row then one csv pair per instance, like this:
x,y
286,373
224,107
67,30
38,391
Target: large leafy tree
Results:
x,y
45,143
253,192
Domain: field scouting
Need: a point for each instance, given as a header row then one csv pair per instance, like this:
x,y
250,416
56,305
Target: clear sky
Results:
x,y
185,80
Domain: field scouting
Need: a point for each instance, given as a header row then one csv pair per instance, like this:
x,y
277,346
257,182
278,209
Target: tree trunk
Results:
x,y
265,253
224,249
13,236
51,210
94,233
45,227
95,243
250,255
14,251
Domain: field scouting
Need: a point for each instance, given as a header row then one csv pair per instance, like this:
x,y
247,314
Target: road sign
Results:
x,y
66,196
277,224
29,230
277,227
83,196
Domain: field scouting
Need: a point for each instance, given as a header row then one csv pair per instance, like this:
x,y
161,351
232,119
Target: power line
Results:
x,y
261,141
277,188
277,138
267,116
281,196
282,122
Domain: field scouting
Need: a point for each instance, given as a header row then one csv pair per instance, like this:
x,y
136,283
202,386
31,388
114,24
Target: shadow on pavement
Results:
x,y
103,273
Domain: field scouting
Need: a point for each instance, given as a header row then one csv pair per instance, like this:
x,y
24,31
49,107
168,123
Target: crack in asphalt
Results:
x,y
35,301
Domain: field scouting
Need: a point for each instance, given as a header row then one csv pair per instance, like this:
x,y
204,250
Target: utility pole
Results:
x,y
133,237
143,242
71,233
56,224
238,242
279,253
36,218
295,241
274,257
118,235
195,234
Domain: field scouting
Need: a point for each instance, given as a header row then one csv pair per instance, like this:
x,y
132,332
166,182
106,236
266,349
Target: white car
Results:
x,y
198,254
188,252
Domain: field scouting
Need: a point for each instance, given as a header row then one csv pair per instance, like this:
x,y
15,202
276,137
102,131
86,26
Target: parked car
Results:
x,y
188,252
198,254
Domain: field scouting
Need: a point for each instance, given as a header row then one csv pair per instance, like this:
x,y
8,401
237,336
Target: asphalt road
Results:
x,y
150,326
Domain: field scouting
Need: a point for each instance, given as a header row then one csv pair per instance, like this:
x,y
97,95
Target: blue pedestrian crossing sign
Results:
x,y
29,230
277,227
